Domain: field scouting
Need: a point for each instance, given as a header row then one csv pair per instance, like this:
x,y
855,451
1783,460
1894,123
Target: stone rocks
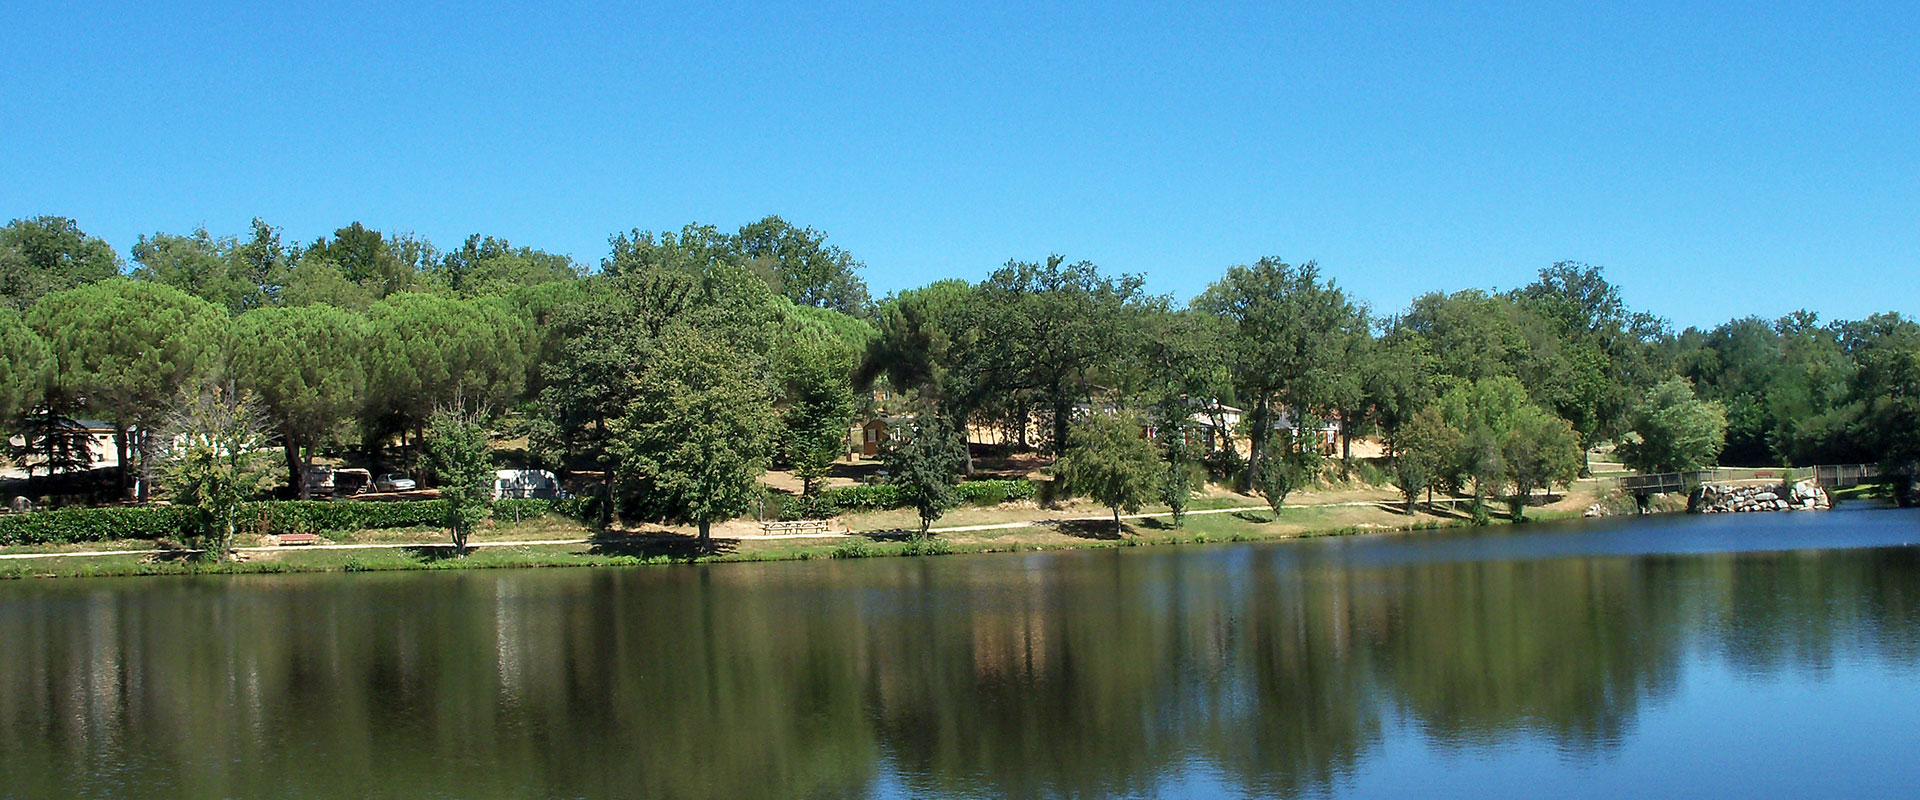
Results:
x,y
1729,499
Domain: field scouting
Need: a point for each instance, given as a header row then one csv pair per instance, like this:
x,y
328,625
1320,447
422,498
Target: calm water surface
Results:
x,y
1768,655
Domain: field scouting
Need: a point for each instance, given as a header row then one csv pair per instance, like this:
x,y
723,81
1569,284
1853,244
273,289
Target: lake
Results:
x,y
1722,656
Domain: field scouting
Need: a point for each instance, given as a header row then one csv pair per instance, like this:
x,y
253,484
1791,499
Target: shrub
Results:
x,y
882,497
69,525
995,492
926,547
853,549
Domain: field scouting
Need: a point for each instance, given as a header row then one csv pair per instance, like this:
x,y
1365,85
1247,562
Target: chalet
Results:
x,y
98,437
871,436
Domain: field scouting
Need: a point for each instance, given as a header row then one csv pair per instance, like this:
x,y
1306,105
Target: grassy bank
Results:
x,y
1032,528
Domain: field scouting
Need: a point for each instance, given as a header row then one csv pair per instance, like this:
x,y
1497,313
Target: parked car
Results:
x,y
522,484
395,482
349,482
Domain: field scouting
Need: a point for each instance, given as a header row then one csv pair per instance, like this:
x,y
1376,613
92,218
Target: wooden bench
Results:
x,y
289,539
797,526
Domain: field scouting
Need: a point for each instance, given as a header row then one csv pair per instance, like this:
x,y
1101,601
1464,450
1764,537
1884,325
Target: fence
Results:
x,y
1664,482
1841,476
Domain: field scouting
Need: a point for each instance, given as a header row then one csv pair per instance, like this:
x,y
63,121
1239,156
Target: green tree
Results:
x,y
802,266
129,348
484,265
1424,448
1286,333
1673,431
1176,486
816,403
214,270
380,264
697,432
304,363
215,463
25,365
42,255
1485,412
1049,329
1282,469
317,280
1604,352
430,350
924,465
1540,450
1109,460
462,463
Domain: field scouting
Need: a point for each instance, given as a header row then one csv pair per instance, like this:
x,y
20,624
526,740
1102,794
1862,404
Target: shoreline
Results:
x,y
1237,524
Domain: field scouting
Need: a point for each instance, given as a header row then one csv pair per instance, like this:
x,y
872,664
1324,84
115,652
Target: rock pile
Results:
x,y
1725,499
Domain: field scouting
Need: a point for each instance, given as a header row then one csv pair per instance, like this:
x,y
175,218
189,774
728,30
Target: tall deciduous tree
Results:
x,y
50,254
305,365
698,430
485,265
462,463
1540,450
127,348
1109,460
1287,331
1425,447
816,402
802,266
1049,329
213,269
924,465
380,264
1674,431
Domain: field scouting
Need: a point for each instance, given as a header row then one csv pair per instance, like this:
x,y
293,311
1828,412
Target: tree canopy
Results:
x,y
1109,460
1673,431
305,365
42,255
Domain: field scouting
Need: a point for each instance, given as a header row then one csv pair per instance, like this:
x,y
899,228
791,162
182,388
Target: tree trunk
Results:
x,y
123,451
296,468
1117,530
1262,427
706,536
1062,419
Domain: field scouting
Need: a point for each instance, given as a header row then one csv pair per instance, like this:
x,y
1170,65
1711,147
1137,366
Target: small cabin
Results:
x,y
874,434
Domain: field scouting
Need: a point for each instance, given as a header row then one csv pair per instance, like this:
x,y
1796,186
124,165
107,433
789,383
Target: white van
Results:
x,y
524,484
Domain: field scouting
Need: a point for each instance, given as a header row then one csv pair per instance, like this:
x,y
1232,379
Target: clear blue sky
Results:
x,y
1718,159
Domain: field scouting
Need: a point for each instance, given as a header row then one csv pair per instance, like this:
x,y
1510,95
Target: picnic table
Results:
x,y
797,526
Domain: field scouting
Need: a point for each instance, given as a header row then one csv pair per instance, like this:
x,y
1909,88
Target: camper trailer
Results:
x,y
525,484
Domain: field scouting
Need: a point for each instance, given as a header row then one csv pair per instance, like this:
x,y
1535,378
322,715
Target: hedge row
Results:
x,y
66,525
880,497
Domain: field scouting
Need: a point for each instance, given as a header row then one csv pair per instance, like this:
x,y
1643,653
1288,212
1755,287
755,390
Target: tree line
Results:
x,y
687,362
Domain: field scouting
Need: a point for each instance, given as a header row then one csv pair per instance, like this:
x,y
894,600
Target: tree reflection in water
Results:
x,y
1090,674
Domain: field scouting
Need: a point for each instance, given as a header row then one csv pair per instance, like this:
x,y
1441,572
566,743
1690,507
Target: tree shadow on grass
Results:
x,y
1257,519
672,546
430,553
1101,530
1156,524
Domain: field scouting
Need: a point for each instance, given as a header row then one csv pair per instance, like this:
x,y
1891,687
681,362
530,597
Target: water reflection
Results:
x,y
1276,670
